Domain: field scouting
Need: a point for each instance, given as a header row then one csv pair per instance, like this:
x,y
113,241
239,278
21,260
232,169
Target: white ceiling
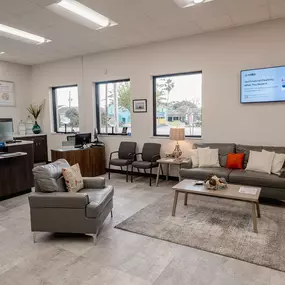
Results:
x,y
140,21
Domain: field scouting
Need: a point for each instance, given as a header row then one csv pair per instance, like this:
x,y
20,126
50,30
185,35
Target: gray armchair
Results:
x,y
149,156
53,209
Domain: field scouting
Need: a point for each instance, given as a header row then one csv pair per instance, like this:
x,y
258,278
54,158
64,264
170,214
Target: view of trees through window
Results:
x,y
114,106
178,101
65,105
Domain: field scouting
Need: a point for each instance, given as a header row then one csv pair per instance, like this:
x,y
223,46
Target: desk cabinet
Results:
x,y
16,172
40,147
91,160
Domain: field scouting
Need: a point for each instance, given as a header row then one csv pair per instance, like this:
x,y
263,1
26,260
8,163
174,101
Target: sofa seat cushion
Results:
x,y
98,198
252,178
120,162
144,164
203,173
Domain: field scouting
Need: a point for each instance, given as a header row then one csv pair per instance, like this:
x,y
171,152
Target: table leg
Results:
x,y
186,199
167,171
254,219
158,173
175,203
258,210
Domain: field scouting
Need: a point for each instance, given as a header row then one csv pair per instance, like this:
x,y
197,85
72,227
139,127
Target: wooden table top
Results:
x,y
231,192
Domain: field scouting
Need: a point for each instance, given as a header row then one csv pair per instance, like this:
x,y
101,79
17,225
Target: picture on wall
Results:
x,y
140,106
7,95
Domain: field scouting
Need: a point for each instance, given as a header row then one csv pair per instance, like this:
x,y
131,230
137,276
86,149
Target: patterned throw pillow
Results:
x,y
73,178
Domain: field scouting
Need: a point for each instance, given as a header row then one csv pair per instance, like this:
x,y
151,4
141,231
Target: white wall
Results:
x,y
220,55
21,76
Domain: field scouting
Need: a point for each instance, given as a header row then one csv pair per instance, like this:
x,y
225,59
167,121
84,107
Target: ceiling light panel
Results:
x,y
189,3
16,34
77,12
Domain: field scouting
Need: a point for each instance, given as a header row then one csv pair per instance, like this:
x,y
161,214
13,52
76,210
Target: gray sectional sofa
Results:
x,y
272,185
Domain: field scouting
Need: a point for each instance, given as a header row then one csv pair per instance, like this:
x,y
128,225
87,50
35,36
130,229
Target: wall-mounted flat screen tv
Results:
x,y
262,85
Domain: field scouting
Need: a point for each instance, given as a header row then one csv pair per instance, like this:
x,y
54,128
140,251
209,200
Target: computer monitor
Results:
x,y
82,139
6,129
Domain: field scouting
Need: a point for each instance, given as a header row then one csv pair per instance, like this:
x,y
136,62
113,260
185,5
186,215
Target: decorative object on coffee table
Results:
x,y
213,182
35,111
177,134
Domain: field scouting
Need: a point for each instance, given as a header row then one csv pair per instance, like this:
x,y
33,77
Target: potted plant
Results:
x,y
35,111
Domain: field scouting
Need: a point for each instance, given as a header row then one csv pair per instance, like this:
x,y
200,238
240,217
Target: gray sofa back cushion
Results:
x,y
224,150
49,177
240,148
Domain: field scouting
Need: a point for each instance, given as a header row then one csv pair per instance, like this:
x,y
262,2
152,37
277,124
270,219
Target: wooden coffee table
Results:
x,y
231,192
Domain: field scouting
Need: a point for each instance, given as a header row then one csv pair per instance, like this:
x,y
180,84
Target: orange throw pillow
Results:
x,y
235,160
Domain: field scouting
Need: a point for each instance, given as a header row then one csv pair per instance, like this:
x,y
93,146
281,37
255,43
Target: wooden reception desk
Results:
x,y
91,160
16,164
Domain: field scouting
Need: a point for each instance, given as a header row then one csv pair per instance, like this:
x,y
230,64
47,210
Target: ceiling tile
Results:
x,y
214,23
256,14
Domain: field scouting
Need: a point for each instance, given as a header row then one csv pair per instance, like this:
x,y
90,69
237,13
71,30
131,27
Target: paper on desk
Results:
x,y
248,190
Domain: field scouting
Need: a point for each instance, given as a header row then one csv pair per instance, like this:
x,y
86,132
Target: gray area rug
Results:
x,y
215,225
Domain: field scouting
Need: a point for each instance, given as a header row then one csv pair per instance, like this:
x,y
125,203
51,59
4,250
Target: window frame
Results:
x,y
54,107
154,78
97,103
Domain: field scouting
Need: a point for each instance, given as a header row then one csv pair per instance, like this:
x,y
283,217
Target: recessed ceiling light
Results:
x,y
2,52
189,3
83,12
21,35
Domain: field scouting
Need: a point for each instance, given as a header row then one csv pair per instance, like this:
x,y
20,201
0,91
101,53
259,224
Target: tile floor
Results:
x,y
119,257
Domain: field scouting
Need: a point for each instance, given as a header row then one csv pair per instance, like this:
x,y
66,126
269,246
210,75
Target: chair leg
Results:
x,y
144,171
94,238
34,237
127,174
109,171
138,170
150,173
112,214
132,172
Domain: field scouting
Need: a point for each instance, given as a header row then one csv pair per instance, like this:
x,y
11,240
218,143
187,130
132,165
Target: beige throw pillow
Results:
x,y
194,157
260,161
73,178
278,161
208,157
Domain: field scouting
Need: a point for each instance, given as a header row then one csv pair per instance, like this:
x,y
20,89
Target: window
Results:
x,y
113,106
177,101
65,109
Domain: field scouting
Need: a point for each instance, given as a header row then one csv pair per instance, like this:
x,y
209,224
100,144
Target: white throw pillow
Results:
x,y
208,157
194,157
260,161
278,161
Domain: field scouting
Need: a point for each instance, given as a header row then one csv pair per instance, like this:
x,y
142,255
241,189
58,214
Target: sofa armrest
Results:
x,y
94,182
59,200
187,165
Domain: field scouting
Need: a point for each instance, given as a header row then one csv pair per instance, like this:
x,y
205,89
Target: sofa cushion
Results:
x,y
98,198
252,178
144,164
49,177
73,178
203,173
246,149
120,162
224,150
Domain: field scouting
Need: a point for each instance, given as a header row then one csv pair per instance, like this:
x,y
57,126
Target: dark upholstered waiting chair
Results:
x,y
150,154
126,155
